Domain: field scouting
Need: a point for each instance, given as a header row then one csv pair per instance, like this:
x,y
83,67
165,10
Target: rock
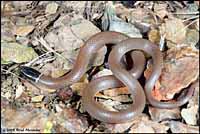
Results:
x,y
158,114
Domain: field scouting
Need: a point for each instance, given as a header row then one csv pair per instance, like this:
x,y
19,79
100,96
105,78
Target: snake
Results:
x,y
122,44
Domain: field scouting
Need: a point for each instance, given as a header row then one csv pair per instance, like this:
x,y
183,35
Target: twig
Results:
x,y
193,17
190,13
37,58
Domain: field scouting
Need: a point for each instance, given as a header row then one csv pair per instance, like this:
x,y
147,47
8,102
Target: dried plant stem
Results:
x,y
37,58
190,13
193,17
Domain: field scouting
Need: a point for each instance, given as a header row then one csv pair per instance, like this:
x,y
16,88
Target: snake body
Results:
x,y
121,77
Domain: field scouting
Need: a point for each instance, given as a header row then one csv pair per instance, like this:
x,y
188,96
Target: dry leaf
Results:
x,y
73,33
81,32
158,114
144,125
37,98
161,10
191,113
192,37
51,8
176,74
78,87
174,30
19,91
103,72
71,121
14,52
140,124
116,91
63,39
108,104
54,69
78,7
24,120
197,24
113,23
154,36
195,99
23,30
7,32
178,127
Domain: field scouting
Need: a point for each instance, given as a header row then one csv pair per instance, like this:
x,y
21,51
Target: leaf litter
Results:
x,y
48,36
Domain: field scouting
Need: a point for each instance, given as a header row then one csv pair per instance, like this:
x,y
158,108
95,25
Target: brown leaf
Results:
x,y
161,10
71,121
81,32
191,113
37,98
51,8
154,36
78,87
23,30
64,94
24,120
140,124
178,127
176,74
173,30
158,114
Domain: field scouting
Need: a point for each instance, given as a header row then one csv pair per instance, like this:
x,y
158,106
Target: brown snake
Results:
x,y
121,77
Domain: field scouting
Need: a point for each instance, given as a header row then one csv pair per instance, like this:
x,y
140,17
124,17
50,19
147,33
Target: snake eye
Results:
x,y
29,73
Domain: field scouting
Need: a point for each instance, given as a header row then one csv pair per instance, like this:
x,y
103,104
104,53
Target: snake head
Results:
x,y
29,73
